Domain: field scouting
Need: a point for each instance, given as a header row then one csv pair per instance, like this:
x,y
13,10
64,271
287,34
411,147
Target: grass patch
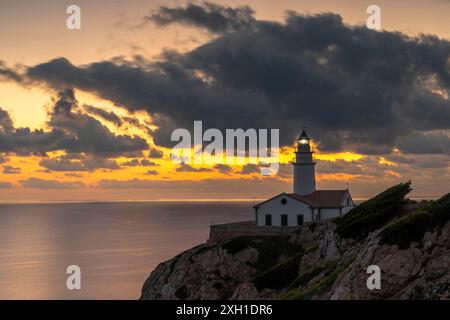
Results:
x,y
373,213
412,228
326,283
305,277
279,276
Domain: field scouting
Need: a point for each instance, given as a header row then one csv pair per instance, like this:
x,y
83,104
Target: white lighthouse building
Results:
x,y
305,203
304,167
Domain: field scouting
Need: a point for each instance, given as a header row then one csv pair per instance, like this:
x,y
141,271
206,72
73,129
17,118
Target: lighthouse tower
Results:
x,y
304,167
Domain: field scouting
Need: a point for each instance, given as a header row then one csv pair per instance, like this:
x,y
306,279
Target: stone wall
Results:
x,y
221,232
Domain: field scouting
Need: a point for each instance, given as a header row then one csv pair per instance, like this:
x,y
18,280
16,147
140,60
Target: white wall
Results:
x,y
346,208
275,208
304,178
329,213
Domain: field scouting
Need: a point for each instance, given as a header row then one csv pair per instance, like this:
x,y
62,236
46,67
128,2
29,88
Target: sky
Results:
x,y
88,114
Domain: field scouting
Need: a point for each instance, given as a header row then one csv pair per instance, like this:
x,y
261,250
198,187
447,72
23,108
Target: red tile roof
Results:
x,y
322,198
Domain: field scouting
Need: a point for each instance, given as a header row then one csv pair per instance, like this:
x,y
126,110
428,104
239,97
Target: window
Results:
x,y
300,220
283,201
268,220
348,202
284,219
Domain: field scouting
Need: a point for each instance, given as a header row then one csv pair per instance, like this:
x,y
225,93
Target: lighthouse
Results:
x,y
304,166
305,204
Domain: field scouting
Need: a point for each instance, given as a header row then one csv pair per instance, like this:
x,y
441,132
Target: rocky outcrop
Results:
x,y
312,263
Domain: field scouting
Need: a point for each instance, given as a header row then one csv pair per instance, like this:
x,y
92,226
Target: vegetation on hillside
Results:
x,y
270,248
279,276
330,271
411,228
373,213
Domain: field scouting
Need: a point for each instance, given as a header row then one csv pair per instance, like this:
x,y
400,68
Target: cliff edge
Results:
x,y
324,260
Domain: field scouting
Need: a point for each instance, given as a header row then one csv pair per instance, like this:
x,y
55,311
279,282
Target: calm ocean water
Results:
x,y
116,244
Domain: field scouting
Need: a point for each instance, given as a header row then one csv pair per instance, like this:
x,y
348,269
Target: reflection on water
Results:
x,y
115,244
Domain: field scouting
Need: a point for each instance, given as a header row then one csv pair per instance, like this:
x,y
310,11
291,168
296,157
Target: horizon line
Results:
x,y
2,202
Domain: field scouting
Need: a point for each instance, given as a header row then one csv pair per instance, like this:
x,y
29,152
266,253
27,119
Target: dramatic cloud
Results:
x,y
152,172
71,131
155,153
89,134
84,164
212,17
356,89
425,143
37,183
108,116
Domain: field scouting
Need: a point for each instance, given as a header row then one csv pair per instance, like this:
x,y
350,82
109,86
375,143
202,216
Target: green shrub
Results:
x,y
279,276
292,294
413,227
270,249
308,275
373,213
324,284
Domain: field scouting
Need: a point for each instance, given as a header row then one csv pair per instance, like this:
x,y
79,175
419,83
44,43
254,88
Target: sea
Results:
x,y
115,244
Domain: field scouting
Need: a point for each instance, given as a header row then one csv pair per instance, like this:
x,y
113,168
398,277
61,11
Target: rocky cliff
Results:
x,y
317,261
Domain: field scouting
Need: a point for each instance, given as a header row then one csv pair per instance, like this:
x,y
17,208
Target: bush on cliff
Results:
x,y
305,277
330,274
279,276
413,227
270,248
373,213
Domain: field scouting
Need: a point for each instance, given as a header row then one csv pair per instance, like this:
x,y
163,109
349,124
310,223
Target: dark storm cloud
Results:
x,y
24,141
425,143
108,116
71,131
36,183
85,164
90,135
355,89
212,17
155,154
